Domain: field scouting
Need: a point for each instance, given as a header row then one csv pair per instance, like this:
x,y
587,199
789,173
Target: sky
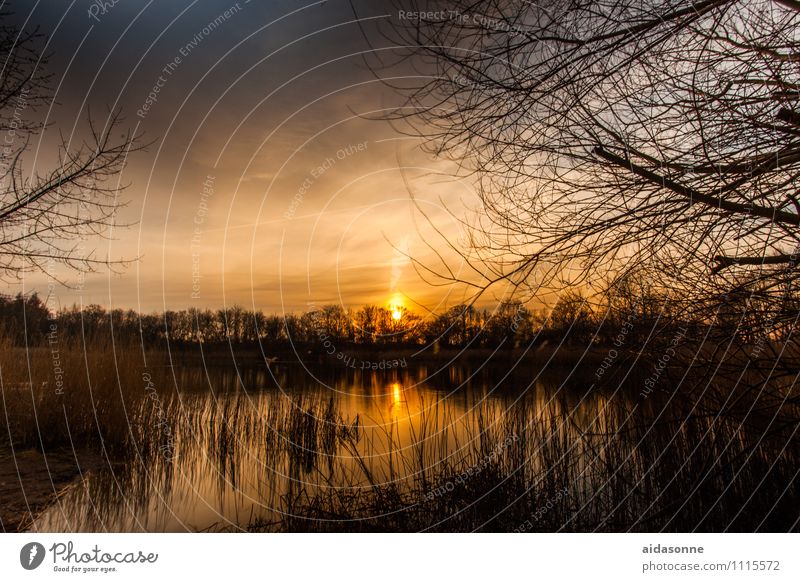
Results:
x,y
270,180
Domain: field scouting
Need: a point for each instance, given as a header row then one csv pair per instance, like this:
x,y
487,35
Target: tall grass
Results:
x,y
74,394
268,461
299,465
542,469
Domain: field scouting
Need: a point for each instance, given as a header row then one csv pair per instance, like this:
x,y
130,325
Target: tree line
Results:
x,y
631,313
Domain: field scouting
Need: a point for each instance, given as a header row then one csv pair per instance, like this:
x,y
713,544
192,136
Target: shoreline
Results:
x,y
359,357
32,481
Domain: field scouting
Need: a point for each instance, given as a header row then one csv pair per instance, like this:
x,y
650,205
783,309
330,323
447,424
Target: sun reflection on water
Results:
x,y
397,393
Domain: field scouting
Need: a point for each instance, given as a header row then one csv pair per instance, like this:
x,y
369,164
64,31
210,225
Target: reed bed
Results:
x,y
271,461
529,466
75,395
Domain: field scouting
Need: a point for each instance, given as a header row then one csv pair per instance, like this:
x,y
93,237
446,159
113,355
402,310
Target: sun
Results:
x,y
396,306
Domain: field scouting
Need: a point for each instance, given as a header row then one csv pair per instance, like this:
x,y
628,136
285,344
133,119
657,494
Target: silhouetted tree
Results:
x,y
47,214
619,134
24,319
511,322
572,318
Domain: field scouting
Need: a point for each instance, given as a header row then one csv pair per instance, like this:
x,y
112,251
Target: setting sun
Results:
x,y
396,306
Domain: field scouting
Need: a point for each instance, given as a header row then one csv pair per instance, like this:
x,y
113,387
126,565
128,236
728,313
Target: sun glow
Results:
x,y
396,306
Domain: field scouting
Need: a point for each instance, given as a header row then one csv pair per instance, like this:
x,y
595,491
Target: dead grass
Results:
x,y
73,394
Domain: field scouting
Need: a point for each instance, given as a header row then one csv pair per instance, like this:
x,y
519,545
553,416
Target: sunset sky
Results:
x,y
265,185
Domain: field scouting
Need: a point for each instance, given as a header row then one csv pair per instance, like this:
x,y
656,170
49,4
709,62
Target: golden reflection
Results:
x,y
397,394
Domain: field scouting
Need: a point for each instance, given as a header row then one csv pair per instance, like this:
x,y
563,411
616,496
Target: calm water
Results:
x,y
234,448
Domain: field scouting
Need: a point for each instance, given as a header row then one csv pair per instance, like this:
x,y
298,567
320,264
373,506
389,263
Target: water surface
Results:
x,y
233,448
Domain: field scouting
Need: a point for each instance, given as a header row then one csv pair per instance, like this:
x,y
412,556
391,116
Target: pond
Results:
x,y
288,447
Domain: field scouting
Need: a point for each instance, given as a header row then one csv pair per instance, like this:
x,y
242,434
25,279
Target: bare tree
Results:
x,y
50,216
617,135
